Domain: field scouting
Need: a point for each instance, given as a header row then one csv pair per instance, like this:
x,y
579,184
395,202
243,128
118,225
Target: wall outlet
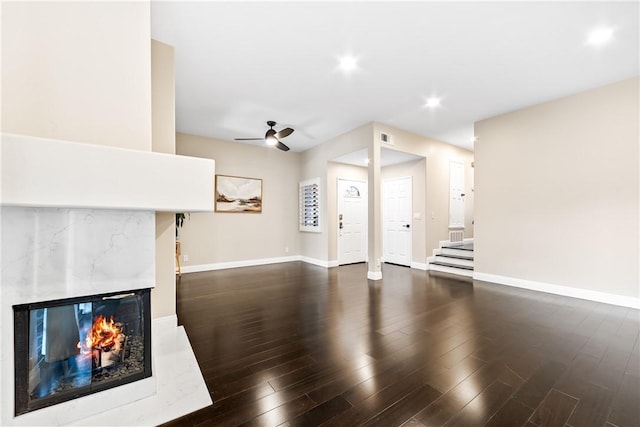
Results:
x,y
286,250
185,258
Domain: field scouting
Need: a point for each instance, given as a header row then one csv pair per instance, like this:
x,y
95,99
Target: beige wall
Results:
x,y
314,165
163,98
211,238
163,295
433,186
417,171
557,192
86,75
438,155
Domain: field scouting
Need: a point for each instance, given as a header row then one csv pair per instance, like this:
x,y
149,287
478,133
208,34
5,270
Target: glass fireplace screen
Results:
x,y
70,348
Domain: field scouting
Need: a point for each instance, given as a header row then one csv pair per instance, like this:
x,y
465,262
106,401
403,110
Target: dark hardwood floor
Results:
x,y
298,345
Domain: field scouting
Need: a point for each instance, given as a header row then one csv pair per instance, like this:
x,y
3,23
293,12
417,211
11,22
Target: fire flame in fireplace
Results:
x,y
104,333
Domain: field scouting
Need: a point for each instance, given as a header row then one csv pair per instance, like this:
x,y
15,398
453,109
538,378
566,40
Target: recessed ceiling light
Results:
x,y
432,102
600,36
348,63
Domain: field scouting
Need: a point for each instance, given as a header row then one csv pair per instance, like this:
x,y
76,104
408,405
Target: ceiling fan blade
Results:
x,y
248,139
284,132
281,146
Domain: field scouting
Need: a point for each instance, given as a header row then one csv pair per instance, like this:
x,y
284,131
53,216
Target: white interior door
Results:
x,y
456,195
352,221
396,238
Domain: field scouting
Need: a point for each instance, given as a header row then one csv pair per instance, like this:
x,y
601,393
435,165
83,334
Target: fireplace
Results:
x,y
73,226
73,347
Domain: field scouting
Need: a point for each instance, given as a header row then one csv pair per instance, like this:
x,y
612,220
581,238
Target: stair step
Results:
x,y
446,264
451,270
464,257
453,251
460,247
454,260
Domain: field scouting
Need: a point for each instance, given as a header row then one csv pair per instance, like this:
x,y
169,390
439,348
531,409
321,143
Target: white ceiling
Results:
x,y
239,64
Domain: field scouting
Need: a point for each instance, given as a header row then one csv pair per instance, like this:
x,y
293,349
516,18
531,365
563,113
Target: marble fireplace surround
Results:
x,y
79,219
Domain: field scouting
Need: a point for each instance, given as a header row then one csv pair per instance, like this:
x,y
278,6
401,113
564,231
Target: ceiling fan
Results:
x,y
272,137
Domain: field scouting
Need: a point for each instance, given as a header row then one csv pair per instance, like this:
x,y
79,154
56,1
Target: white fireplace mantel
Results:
x,y
47,172
78,219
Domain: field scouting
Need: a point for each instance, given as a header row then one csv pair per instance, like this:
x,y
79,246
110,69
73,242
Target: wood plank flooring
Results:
x,y
298,345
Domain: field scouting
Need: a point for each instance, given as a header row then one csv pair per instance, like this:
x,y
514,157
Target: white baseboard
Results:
x,y
264,261
319,262
254,262
567,291
374,275
236,264
419,265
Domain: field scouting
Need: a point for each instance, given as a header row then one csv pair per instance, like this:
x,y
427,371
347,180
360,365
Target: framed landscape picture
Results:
x,y
237,194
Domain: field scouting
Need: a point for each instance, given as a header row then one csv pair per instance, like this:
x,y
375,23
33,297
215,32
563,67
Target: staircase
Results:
x,y
454,258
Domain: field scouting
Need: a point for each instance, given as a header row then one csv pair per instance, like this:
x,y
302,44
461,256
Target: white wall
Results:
x,y
75,71
214,238
78,71
82,72
557,192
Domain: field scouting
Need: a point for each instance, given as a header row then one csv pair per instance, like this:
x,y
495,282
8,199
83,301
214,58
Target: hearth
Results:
x,y
73,347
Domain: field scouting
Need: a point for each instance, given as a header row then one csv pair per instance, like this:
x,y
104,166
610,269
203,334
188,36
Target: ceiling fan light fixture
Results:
x,y
271,140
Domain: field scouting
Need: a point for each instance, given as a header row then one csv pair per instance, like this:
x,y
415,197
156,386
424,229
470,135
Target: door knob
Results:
x,y
407,226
